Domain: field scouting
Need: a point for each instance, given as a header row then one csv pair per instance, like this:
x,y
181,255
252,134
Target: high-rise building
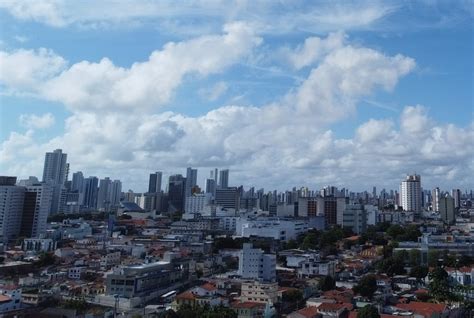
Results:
x,y
410,193
154,183
176,192
355,218
224,179
211,187
90,193
55,173
456,194
446,209
11,207
436,194
36,207
77,184
116,193
191,181
103,195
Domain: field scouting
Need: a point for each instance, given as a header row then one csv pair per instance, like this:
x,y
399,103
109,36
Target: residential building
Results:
x,y
259,292
410,192
228,198
355,218
255,264
55,173
36,207
224,179
11,208
154,183
446,209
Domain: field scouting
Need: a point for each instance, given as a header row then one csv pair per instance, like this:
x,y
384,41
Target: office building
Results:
x,y
12,199
116,193
456,194
228,198
224,179
447,209
154,183
103,194
410,193
176,192
55,173
255,264
211,186
191,181
90,193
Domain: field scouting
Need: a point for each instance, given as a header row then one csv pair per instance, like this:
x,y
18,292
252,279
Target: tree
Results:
x,y
419,272
391,266
433,256
368,311
395,230
439,287
310,241
327,283
367,286
293,296
414,257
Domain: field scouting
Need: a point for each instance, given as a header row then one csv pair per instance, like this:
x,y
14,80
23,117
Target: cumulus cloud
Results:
x,y
32,121
105,86
282,144
313,49
22,70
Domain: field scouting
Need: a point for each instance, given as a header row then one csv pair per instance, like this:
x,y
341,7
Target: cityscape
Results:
x,y
226,250
236,159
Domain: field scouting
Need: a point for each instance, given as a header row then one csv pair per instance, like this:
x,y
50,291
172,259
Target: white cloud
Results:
x,y
32,121
283,144
314,49
22,70
21,39
215,92
105,86
272,17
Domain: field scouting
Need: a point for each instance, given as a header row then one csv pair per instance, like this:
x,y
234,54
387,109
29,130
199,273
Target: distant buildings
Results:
x,y
410,193
154,183
224,179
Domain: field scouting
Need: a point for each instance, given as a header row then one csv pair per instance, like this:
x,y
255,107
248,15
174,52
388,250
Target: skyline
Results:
x,y
354,94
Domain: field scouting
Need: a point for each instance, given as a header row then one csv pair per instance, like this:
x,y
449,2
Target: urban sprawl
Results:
x,y
82,247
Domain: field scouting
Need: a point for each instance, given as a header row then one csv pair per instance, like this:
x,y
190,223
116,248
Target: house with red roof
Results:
x,y
307,312
422,309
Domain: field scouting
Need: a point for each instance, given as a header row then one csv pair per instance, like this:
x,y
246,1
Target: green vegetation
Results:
x,y
327,283
419,272
439,287
368,311
367,286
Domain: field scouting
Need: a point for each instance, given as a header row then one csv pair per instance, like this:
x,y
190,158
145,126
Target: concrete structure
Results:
x,y
456,194
410,193
446,209
196,203
258,292
279,229
435,196
38,244
255,264
11,208
191,181
355,218
224,179
36,207
55,173
154,183
90,193
228,198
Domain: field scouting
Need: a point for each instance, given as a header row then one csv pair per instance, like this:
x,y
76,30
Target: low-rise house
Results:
x,y
422,309
307,312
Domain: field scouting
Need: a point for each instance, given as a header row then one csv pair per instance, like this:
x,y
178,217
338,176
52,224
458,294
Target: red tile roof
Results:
x,y
209,287
247,304
421,308
308,312
334,307
4,298
186,295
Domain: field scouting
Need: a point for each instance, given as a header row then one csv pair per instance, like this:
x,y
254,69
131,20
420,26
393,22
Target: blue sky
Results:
x,y
263,88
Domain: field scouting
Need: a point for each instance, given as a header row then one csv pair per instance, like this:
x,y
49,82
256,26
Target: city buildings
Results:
x,y
11,208
446,207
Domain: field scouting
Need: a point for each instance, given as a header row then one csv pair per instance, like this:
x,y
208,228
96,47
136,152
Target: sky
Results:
x,y
283,93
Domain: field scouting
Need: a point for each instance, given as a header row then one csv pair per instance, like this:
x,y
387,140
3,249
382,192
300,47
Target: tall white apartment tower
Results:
x,y
55,174
435,196
410,193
